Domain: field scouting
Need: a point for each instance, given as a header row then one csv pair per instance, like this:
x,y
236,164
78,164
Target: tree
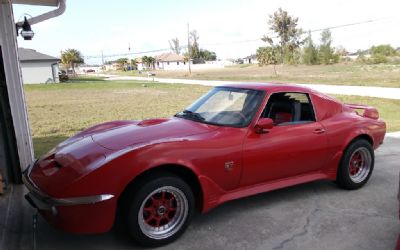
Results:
x,y
326,52
121,63
268,55
152,61
384,50
71,57
174,45
194,47
380,53
145,60
149,61
285,28
207,55
122,60
310,52
134,64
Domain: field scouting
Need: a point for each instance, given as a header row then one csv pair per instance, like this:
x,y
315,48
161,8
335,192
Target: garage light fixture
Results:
x,y
26,31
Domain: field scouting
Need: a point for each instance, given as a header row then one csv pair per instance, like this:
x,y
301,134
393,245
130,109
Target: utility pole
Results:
x,y
129,60
102,59
190,70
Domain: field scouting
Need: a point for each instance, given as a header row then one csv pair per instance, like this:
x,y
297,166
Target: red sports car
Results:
x,y
235,141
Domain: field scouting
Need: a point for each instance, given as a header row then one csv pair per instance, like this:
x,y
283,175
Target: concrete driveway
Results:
x,y
311,216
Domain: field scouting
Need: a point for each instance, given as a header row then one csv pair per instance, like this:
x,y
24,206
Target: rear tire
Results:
x,y
159,211
356,165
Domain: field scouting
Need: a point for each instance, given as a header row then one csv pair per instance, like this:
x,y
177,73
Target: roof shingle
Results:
x,y
33,55
169,57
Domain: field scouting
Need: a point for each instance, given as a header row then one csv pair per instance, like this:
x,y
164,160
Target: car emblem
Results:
x,y
229,165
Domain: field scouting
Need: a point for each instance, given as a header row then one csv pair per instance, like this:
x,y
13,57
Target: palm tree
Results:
x,y
71,57
152,61
145,60
134,64
149,61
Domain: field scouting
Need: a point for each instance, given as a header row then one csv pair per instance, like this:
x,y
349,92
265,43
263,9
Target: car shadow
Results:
x,y
50,238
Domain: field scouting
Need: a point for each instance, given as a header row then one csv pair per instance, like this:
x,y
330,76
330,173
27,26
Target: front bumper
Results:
x,y
86,214
42,201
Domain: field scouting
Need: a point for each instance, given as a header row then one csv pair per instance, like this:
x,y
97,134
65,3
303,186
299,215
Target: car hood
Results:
x,y
87,150
130,133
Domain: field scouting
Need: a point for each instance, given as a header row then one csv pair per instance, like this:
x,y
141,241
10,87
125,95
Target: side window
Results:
x,y
289,108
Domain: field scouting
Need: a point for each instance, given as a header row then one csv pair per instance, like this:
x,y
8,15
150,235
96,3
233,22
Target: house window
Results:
x,y
184,63
177,63
158,63
167,63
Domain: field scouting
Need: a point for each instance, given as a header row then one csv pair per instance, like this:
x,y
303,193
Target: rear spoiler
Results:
x,y
369,111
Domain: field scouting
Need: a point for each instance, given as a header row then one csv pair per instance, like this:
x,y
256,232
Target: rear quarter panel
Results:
x,y
342,125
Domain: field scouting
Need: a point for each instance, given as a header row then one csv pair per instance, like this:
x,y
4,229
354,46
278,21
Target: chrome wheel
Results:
x,y
360,165
163,212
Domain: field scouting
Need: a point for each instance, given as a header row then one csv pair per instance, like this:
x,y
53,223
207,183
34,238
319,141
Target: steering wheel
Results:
x,y
239,114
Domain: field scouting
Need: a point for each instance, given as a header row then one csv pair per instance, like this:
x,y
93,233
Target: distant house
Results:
x,y
252,59
85,69
111,66
37,67
170,61
355,55
140,65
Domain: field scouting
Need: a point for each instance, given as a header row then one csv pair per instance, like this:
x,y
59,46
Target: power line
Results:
x,y
345,25
304,32
226,43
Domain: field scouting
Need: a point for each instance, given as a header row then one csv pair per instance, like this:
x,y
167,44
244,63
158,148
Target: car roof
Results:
x,y
270,87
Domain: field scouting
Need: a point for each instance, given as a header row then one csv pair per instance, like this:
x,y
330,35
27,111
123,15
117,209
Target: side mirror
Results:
x,y
263,125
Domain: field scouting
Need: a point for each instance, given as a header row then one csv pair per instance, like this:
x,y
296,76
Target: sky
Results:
x,y
224,26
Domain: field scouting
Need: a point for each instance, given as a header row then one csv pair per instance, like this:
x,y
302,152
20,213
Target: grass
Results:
x,y
57,111
84,78
382,75
388,108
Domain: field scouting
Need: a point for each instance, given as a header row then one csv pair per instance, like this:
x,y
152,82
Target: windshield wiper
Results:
x,y
191,115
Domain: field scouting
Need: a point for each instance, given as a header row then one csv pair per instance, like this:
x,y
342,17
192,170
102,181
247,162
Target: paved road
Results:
x,y
391,93
317,215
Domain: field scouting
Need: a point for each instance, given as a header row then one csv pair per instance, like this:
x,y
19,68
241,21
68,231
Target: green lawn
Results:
x,y
57,111
383,75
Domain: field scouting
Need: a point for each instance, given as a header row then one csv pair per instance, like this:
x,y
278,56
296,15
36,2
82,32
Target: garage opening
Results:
x,y
9,161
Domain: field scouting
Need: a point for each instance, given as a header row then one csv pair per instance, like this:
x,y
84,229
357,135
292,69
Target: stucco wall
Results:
x,y
38,72
174,65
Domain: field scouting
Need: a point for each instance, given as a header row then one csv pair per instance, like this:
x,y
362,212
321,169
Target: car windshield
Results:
x,y
225,106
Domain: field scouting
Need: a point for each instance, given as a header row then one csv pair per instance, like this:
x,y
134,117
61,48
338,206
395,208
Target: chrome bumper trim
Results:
x,y
43,201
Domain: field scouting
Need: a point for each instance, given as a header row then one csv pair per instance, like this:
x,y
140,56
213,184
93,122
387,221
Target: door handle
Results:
x,y
319,131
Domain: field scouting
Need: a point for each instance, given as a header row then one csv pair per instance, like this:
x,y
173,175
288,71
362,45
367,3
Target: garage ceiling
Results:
x,y
36,2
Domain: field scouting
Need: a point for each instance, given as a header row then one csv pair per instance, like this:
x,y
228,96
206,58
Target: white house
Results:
x,y
111,66
37,67
252,59
84,69
170,61
140,64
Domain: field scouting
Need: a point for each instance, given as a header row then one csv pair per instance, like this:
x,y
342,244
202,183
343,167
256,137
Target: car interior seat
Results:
x,y
281,112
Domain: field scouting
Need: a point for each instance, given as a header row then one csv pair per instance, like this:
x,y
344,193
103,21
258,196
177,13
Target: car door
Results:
x,y
297,144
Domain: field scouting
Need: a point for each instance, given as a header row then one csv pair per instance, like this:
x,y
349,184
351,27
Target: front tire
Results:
x,y
356,165
160,211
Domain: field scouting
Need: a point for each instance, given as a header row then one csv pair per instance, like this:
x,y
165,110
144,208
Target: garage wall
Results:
x,y
9,162
16,134
37,72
